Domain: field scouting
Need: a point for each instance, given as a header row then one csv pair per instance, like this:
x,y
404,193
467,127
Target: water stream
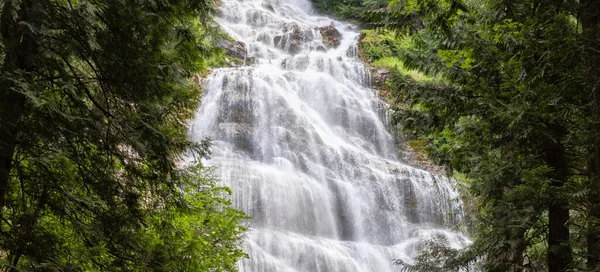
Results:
x,y
301,139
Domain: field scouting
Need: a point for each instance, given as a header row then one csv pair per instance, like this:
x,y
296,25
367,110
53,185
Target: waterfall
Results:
x,y
299,138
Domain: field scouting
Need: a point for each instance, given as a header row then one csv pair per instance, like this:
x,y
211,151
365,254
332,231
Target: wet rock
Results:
x,y
342,212
379,78
331,36
237,51
257,18
197,79
268,7
352,52
293,38
242,137
295,47
321,48
362,36
410,201
263,38
234,49
277,40
291,27
301,63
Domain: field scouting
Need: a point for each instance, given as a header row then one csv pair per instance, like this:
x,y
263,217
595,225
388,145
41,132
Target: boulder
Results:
x,y
295,47
294,37
331,36
197,78
277,40
263,38
379,78
268,7
320,48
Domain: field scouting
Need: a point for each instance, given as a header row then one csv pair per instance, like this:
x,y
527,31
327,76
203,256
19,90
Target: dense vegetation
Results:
x,y
95,96
348,9
93,104
505,94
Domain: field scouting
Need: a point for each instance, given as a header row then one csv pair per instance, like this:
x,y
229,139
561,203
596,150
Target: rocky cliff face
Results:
x,y
379,78
237,51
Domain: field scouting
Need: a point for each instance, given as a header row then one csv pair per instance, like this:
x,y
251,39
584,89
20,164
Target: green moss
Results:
x,y
223,60
417,145
384,49
388,63
220,58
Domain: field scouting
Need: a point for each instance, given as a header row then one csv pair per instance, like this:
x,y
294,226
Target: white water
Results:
x,y
300,140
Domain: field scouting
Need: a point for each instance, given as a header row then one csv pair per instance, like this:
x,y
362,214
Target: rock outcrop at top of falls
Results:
x,y
294,37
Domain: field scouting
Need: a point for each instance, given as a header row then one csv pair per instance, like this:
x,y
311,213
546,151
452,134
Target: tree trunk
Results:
x,y
593,227
590,22
21,50
517,255
559,248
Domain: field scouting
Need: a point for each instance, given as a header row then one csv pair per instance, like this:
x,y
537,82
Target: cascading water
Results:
x,y
299,138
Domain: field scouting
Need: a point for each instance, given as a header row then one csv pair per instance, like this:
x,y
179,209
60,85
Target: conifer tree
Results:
x,y
94,96
516,111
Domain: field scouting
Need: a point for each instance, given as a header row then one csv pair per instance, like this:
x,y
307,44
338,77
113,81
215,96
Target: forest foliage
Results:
x,y
504,93
94,100
95,96
348,9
